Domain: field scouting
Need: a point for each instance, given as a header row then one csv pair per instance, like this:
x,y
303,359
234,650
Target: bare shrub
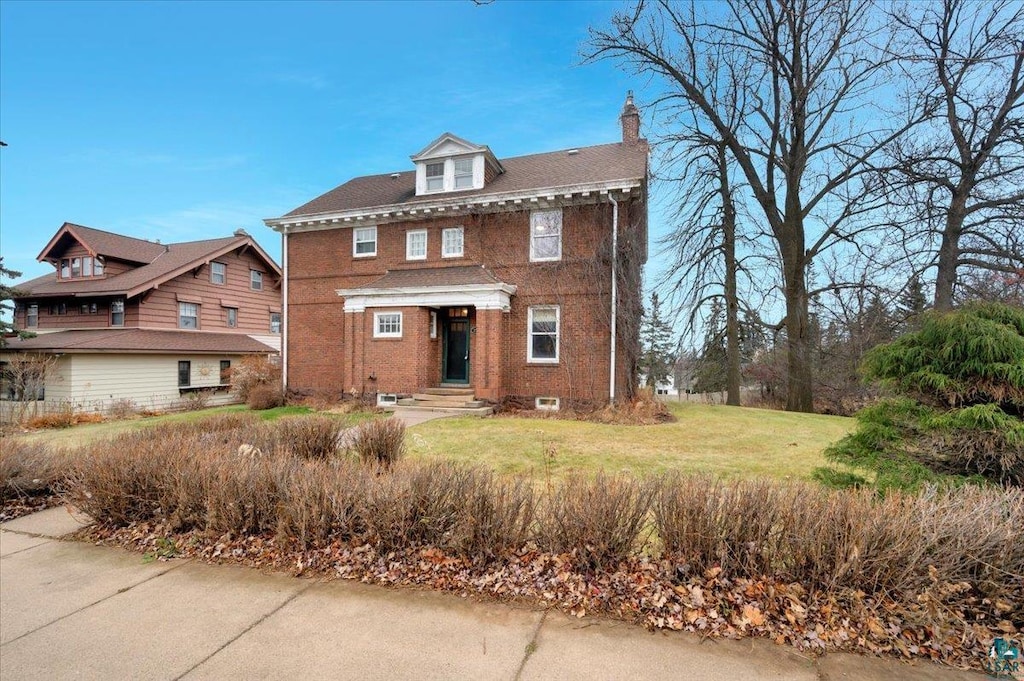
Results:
x,y
379,442
194,400
499,515
122,408
253,371
29,468
309,437
323,501
262,397
601,519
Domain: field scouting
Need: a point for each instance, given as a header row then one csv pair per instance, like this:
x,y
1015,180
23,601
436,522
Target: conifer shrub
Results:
x,y
959,409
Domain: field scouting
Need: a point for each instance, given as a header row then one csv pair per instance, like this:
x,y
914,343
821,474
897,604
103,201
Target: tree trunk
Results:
x,y
799,388
732,325
949,253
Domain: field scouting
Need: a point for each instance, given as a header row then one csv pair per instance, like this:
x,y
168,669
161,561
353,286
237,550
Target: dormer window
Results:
x,y
435,177
463,173
75,268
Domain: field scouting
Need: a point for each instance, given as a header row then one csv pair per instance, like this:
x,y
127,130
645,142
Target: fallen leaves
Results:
x,y
950,623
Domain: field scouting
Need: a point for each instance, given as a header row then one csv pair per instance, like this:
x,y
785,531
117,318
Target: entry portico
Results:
x,y
446,321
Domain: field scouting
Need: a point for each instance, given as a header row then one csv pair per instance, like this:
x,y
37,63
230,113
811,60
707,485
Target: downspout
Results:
x,y
284,311
615,259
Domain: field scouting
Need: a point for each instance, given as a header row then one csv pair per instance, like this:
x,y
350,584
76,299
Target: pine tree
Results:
x,y
911,303
7,293
657,358
712,365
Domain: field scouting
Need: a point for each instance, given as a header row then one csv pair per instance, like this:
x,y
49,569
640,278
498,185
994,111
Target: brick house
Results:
x,y
495,275
130,319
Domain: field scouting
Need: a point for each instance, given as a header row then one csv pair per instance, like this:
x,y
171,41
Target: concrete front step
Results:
x,y
461,392
461,411
456,399
460,403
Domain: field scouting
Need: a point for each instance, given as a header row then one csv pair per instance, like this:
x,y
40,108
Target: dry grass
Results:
x,y
723,441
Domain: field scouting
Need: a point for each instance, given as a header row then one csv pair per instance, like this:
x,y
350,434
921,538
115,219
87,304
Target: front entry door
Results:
x,y
455,356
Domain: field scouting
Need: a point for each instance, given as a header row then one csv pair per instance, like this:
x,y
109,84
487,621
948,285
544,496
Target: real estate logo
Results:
x,y
1003,659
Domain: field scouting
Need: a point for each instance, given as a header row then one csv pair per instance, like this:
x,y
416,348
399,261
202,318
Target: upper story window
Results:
x,y
256,280
463,173
435,176
416,244
545,235
452,242
218,273
74,268
32,315
188,315
232,313
275,322
364,242
117,313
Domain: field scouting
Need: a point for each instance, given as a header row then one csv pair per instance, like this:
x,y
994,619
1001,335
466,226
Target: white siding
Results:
x,y
92,382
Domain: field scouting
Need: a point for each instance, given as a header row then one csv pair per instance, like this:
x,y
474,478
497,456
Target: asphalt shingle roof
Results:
x,y
601,163
140,340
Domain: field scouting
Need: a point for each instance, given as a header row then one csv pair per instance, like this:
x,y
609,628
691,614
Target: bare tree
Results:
x,y
963,169
804,146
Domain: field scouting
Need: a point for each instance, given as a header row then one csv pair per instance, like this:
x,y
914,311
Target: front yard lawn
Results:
x,y
725,441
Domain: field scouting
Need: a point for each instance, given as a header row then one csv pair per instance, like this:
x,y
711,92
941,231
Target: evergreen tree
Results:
x,y
713,362
657,358
911,303
7,294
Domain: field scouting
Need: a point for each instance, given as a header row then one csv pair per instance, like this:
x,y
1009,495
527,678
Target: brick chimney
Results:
x,y
630,119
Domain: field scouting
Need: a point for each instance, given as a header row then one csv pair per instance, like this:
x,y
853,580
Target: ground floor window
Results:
x,y
275,322
22,381
387,324
542,344
225,371
184,374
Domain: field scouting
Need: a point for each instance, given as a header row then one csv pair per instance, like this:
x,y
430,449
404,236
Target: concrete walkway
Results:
x,y
71,610
414,417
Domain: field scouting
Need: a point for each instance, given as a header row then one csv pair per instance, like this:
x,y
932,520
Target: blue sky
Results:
x,y
179,121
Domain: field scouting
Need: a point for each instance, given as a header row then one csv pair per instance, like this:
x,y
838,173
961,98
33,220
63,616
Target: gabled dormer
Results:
x,y
452,164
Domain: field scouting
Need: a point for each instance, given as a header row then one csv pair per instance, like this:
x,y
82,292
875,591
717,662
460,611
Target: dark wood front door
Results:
x,y
455,356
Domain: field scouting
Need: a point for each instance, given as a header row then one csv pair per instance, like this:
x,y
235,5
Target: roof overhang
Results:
x,y
495,296
458,205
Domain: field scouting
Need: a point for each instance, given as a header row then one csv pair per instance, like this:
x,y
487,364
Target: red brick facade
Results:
x,y
331,349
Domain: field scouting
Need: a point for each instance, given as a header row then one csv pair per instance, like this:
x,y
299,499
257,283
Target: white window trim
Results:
x,y
533,256
183,316
547,403
252,280
455,174
355,233
462,242
408,244
377,333
529,335
444,177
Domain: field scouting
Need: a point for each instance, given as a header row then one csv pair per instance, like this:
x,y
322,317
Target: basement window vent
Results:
x,y
386,399
547,403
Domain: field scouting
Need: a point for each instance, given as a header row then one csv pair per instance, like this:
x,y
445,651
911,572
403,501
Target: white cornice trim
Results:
x,y
481,296
443,206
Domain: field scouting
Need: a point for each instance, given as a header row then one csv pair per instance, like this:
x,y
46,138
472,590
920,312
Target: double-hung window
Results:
x,y
452,242
256,280
387,324
542,344
218,273
416,244
275,322
117,313
464,173
435,176
364,242
545,235
76,267
188,315
232,316
32,315
225,371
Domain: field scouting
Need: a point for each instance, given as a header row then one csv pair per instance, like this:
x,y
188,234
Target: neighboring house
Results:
x,y
663,388
129,319
494,275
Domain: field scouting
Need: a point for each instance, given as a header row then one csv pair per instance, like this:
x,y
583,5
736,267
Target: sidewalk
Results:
x,y
72,610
